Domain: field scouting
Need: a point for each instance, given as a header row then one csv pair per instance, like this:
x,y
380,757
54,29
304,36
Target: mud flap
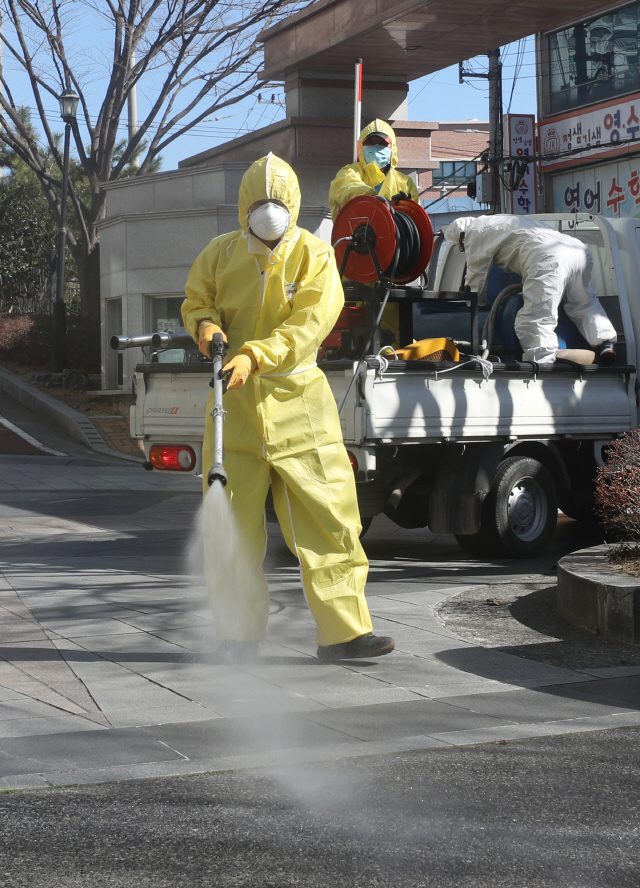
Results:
x,y
463,481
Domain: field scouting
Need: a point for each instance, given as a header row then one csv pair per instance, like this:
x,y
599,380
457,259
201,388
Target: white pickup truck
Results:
x,y
442,445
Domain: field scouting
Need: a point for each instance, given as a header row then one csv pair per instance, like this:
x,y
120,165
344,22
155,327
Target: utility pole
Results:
x,y
495,129
494,76
68,106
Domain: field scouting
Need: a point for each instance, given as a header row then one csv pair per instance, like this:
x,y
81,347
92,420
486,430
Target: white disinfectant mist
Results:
x,y
230,571
262,714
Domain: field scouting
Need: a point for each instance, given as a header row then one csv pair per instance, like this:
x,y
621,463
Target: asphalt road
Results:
x,y
528,814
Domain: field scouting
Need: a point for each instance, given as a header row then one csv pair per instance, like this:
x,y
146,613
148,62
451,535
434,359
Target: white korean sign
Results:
x,y
521,129
609,189
606,130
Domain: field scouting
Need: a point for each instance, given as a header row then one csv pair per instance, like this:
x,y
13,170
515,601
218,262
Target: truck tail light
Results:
x,y
353,461
176,458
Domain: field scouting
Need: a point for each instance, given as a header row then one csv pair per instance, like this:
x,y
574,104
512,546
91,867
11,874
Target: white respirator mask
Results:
x,y
269,221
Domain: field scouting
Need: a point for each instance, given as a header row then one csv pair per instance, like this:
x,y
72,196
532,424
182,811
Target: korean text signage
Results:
x,y
609,189
602,131
521,129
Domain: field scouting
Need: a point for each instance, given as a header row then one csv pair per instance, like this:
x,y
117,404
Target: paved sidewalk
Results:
x,y
108,435
105,645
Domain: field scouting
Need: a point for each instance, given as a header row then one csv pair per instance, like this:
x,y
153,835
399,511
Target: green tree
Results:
x,y
27,229
27,233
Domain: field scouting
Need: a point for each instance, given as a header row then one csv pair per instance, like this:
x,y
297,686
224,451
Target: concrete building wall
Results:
x,y
318,94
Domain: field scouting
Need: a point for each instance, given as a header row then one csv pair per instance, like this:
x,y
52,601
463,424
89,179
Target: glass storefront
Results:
x,y
595,60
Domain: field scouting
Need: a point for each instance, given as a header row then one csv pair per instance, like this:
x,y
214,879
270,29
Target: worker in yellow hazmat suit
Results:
x,y
274,291
375,172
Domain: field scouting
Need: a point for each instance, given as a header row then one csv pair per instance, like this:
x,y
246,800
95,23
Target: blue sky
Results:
x,y
440,96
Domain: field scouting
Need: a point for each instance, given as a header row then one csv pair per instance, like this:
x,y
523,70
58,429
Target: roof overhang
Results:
x,y
410,38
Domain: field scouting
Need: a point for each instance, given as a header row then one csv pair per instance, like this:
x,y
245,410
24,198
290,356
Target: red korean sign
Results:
x,y
606,130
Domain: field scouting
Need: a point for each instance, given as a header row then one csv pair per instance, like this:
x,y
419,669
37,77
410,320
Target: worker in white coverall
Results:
x,y
553,267
274,292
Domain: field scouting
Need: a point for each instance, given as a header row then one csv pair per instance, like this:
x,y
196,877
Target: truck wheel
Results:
x,y
520,512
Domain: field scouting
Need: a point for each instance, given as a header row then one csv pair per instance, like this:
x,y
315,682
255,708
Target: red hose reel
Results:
x,y
369,229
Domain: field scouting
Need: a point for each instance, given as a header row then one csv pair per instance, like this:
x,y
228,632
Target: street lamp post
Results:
x,y
68,106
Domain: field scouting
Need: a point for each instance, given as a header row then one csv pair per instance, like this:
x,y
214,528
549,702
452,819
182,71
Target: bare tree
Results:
x,y
193,57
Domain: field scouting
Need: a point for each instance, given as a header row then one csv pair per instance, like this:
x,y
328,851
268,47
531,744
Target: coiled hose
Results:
x,y
489,324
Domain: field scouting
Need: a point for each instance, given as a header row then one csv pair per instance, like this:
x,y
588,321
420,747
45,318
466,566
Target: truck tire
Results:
x,y
519,514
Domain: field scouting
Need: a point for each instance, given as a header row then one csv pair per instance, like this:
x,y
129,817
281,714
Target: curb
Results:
x,y
70,421
597,597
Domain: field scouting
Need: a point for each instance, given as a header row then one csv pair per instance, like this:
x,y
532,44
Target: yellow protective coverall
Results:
x,y
363,178
282,424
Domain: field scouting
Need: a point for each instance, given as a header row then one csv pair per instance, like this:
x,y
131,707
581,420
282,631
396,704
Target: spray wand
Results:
x,y
219,385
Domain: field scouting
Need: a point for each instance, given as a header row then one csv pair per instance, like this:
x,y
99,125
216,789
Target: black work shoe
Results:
x,y
230,653
360,648
606,354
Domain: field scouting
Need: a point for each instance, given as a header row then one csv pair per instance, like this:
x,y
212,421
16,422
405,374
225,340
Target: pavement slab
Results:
x,y
30,663
107,668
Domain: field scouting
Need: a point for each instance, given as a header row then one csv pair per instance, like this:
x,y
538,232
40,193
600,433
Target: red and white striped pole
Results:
x,y
357,109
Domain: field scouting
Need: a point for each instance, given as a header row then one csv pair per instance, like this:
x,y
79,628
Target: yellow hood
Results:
x,y
379,126
269,178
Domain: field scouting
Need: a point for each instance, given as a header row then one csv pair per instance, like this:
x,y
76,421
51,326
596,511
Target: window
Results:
x,y
167,319
114,360
595,60
454,172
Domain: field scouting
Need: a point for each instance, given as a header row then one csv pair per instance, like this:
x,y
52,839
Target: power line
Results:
x,y
516,72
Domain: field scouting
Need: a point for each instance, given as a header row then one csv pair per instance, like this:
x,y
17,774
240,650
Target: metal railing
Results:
x,y
39,300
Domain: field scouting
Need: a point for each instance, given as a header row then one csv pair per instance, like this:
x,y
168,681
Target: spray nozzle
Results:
x,y
217,473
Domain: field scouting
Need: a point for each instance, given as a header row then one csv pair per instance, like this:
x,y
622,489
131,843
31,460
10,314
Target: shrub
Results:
x,y
617,492
26,340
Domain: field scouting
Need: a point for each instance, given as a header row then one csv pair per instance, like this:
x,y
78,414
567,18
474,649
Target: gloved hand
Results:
x,y
401,195
206,331
240,367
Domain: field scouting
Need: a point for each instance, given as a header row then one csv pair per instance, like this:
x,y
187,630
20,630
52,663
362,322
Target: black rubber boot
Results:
x,y
361,648
606,354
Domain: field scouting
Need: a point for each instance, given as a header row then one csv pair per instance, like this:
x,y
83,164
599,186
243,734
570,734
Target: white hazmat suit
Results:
x,y
552,266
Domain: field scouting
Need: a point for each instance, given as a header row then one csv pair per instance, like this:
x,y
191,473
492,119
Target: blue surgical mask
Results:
x,y
377,154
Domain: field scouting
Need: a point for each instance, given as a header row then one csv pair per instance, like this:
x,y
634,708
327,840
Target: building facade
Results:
x,y
589,115
457,146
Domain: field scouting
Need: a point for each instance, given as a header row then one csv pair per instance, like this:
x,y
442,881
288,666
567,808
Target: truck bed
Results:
x,y
415,400
419,401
